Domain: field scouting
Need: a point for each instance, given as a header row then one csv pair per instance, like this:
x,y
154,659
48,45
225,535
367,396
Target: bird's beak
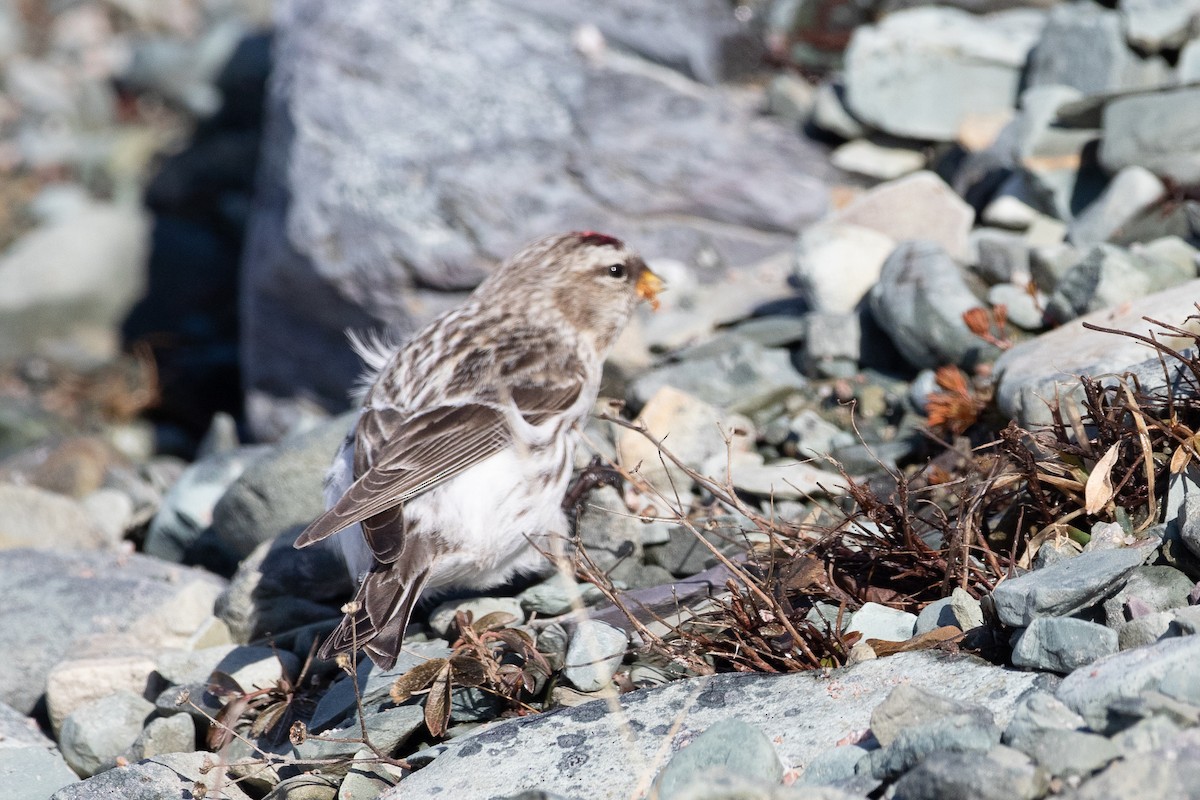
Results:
x,y
648,287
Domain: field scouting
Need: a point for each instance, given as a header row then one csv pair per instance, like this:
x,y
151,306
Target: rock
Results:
x,y
1132,191
1082,46
167,775
545,752
95,734
874,621
832,766
1169,771
556,595
281,491
1065,587
28,773
1000,256
1153,25
278,588
541,143
742,379
790,97
926,73
593,655
1108,276
998,774
830,114
1098,691
968,612
252,667
1159,587
837,264
686,555
937,614
1022,309
833,345
1146,735
693,430
607,529
187,509
727,748
72,280
1062,644
1070,753
78,681
956,733
1024,378
919,301
1035,713
780,480
54,600
878,161
1146,629
1155,131
36,518
908,706
918,206
173,734
442,618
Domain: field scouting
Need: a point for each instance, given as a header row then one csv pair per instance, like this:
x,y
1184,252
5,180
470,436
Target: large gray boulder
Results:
x,y
404,157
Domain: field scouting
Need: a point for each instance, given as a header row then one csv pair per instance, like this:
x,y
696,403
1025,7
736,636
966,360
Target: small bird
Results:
x,y
459,459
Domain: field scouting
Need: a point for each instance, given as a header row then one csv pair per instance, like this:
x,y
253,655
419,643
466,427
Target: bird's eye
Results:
x,y
616,270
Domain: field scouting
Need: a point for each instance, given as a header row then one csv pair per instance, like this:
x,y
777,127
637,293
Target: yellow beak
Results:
x,y
648,286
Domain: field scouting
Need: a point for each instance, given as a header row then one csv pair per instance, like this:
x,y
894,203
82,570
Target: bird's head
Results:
x,y
591,279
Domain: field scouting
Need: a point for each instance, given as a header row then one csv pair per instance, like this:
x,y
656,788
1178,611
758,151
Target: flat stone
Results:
x,y
1066,587
1083,46
875,621
918,206
95,734
998,774
838,263
1159,587
593,655
833,346
1097,691
1000,256
168,775
75,682
729,747
1040,369
926,73
1169,771
1038,712
442,618
956,733
832,766
830,113
908,706
1156,131
1109,276
546,752
32,773
1132,191
34,517
1062,644
878,161
1070,754
1154,25
781,480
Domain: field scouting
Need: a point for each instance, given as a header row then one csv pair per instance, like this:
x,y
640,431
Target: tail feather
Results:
x,y
385,604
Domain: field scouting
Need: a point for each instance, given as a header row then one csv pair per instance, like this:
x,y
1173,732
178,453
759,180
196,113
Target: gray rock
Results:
x,y
607,530
1187,70
32,772
1170,771
935,615
1081,46
173,734
1156,131
1066,587
556,595
1000,256
926,72
728,747
547,751
1097,691
686,555
876,160
280,491
1154,25
832,766
833,346
1131,192
187,509
790,98
1038,135
967,610
1189,523
874,621
1110,275
956,733
780,480
919,302
374,686
831,115
93,736
1070,753
168,775
1022,309
1045,367
1159,587
744,379
54,601
1062,644
838,263
909,707
278,588
1146,629
918,206
34,517
1038,712
72,278
593,655
488,149
998,774
1146,735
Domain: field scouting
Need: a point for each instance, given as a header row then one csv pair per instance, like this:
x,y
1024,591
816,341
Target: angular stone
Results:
x,y
34,517
95,734
908,706
593,655
925,73
75,682
28,773
1069,754
1065,587
998,774
1159,131
838,263
878,161
875,621
1132,191
442,618
162,776
1062,644
1108,276
920,300
1154,25
1159,587
1082,46
957,733
1038,712
781,480
729,747
918,206
1172,770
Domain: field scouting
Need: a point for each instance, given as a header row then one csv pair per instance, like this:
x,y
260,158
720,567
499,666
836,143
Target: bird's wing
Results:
x,y
413,453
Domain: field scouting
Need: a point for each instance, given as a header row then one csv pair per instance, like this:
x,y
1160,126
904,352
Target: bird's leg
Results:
x,y
593,476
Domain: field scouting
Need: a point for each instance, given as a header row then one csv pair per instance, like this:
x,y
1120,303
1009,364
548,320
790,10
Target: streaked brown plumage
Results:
x,y
463,448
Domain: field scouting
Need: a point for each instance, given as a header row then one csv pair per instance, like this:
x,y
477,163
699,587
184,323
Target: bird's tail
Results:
x,y
377,619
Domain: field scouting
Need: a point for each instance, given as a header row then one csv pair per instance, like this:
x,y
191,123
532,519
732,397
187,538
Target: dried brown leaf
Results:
x,y
222,684
467,671
1098,490
437,703
417,679
492,621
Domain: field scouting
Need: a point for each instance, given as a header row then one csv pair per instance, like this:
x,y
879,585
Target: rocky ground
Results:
x,y
870,533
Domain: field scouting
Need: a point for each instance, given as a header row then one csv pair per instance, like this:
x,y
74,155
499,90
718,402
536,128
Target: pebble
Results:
x,y
94,735
728,748
1065,587
593,655
1062,644
875,621
838,263
918,206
